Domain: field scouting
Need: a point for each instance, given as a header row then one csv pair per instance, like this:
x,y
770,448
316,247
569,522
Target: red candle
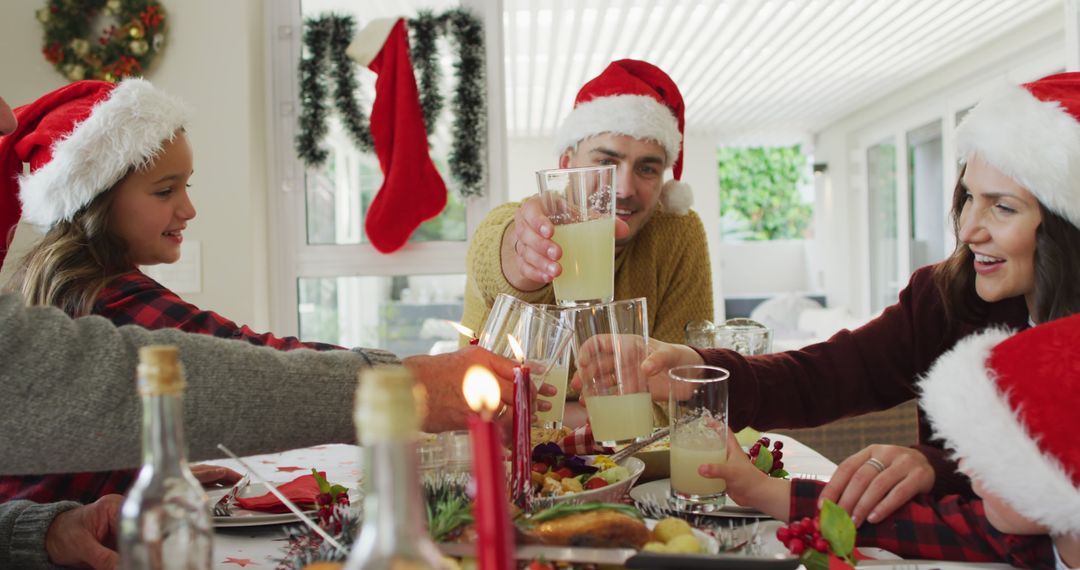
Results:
x,y
495,537
521,466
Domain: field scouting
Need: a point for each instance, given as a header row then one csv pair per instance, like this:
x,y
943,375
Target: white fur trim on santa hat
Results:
x,y
639,116
123,132
677,197
967,410
1036,143
368,42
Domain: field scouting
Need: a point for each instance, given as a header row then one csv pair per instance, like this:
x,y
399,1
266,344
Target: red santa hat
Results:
x,y
1031,133
80,140
1008,407
637,99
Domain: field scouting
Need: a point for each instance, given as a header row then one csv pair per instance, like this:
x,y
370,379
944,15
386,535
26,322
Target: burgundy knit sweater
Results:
x,y
872,368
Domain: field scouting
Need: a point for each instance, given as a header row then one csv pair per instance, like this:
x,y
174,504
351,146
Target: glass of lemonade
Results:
x,y
544,337
580,202
612,342
557,375
698,407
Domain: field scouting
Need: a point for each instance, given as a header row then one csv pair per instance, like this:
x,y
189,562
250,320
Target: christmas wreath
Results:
x,y
326,71
126,48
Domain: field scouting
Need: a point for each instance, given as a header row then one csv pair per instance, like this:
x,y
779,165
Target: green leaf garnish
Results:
x,y
324,485
565,509
814,560
838,529
764,461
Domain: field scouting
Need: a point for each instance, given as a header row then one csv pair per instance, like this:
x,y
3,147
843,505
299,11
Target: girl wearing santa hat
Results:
x,y
108,186
1016,214
1007,406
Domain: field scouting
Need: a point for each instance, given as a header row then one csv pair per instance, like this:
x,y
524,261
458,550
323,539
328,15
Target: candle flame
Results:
x,y
516,347
462,329
481,389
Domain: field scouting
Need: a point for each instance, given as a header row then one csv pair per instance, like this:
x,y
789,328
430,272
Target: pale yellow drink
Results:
x,y
588,261
684,470
556,377
620,418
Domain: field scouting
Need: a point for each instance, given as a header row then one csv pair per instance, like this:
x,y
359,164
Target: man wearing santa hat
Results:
x,y
632,116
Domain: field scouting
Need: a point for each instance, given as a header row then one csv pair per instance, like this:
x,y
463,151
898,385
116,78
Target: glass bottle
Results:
x,y
394,533
165,518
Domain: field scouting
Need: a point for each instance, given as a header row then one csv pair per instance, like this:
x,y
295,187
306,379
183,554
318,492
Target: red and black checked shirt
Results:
x,y
950,528
136,299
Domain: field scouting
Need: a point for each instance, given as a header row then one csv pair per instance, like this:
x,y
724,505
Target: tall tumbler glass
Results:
x,y
698,407
544,336
612,342
557,375
580,202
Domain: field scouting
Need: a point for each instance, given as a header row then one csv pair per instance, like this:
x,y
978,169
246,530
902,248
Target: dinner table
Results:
x,y
265,545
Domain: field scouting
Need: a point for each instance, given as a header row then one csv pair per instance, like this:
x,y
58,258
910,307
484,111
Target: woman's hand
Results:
x,y
876,481
210,475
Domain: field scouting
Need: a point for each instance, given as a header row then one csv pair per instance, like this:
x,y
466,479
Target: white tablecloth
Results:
x,y
261,547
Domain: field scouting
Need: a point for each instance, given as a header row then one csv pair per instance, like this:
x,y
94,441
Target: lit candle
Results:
x,y
495,542
521,450
465,331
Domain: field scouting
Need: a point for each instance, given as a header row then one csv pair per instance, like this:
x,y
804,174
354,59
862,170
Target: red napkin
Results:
x,y
581,442
301,491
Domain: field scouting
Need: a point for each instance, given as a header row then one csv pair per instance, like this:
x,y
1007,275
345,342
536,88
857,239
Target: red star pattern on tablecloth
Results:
x,y
290,469
241,562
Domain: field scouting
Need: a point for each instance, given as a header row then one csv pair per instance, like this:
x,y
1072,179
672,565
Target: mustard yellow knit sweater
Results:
x,y
667,263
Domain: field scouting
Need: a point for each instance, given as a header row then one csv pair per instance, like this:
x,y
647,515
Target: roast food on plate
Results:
x,y
603,528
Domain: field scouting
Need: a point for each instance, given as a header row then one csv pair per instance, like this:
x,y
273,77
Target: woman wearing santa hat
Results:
x,y
1016,213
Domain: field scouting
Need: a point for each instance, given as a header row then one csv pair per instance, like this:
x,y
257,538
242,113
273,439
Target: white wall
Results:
x,y
214,61
1031,51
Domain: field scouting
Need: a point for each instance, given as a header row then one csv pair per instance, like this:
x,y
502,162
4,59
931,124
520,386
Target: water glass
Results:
x,y
557,375
611,342
580,202
698,407
544,336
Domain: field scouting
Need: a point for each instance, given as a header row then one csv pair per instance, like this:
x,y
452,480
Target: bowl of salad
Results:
x,y
563,478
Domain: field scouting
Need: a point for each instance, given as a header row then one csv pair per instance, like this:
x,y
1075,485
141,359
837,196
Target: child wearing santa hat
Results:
x,y
1007,407
109,166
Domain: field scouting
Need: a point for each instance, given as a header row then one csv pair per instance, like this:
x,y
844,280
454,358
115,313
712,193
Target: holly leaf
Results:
x,y
779,473
764,461
324,485
336,490
814,560
837,529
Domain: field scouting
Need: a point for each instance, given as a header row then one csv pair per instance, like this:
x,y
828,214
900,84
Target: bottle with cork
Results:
x,y
165,518
394,534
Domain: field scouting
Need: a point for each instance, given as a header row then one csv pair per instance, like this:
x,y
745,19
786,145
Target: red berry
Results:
x,y
783,534
821,545
778,445
540,467
808,523
764,441
796,546
343,499
817,527
323,499
596,483
796,528
754,449
778,464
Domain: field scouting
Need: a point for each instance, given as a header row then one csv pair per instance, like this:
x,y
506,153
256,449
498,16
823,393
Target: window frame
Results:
x,y
291,257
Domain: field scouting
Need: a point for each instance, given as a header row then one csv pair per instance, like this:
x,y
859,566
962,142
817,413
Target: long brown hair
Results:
x,y
1057,269
74,261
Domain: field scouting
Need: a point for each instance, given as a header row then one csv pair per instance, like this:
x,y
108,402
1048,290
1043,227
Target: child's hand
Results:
x,y
741,475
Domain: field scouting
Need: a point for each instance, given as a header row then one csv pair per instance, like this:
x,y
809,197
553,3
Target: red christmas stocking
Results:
x,y
412,191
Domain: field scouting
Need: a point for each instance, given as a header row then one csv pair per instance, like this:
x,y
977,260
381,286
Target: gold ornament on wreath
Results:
x,y
125,48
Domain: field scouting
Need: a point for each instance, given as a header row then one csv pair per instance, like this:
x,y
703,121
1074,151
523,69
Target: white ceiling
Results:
x,y
744,66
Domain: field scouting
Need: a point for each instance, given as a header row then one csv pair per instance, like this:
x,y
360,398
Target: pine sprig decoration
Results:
x,y
345,87
469,103
313,91
425,28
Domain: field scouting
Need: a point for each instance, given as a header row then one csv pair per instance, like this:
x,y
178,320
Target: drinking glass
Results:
x,y
580,202
698,407
745,336
557,375
544,337
612,342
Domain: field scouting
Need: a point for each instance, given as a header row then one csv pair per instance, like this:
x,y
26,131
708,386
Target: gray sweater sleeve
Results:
x,y
68,386
23,526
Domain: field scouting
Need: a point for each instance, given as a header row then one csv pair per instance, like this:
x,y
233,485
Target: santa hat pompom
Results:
x,y
677,197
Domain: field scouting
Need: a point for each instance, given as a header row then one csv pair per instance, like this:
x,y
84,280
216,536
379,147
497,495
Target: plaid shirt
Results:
x,y
951,528
134,298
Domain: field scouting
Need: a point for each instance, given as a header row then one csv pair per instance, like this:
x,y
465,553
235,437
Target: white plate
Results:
x,y
659,492
244,517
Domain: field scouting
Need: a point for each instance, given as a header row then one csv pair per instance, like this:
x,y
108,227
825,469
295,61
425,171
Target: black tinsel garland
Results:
x,y
327,37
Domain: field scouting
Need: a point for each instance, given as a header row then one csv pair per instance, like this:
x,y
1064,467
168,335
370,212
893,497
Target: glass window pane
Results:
x,y
339,192
881,184
404,314
927,194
